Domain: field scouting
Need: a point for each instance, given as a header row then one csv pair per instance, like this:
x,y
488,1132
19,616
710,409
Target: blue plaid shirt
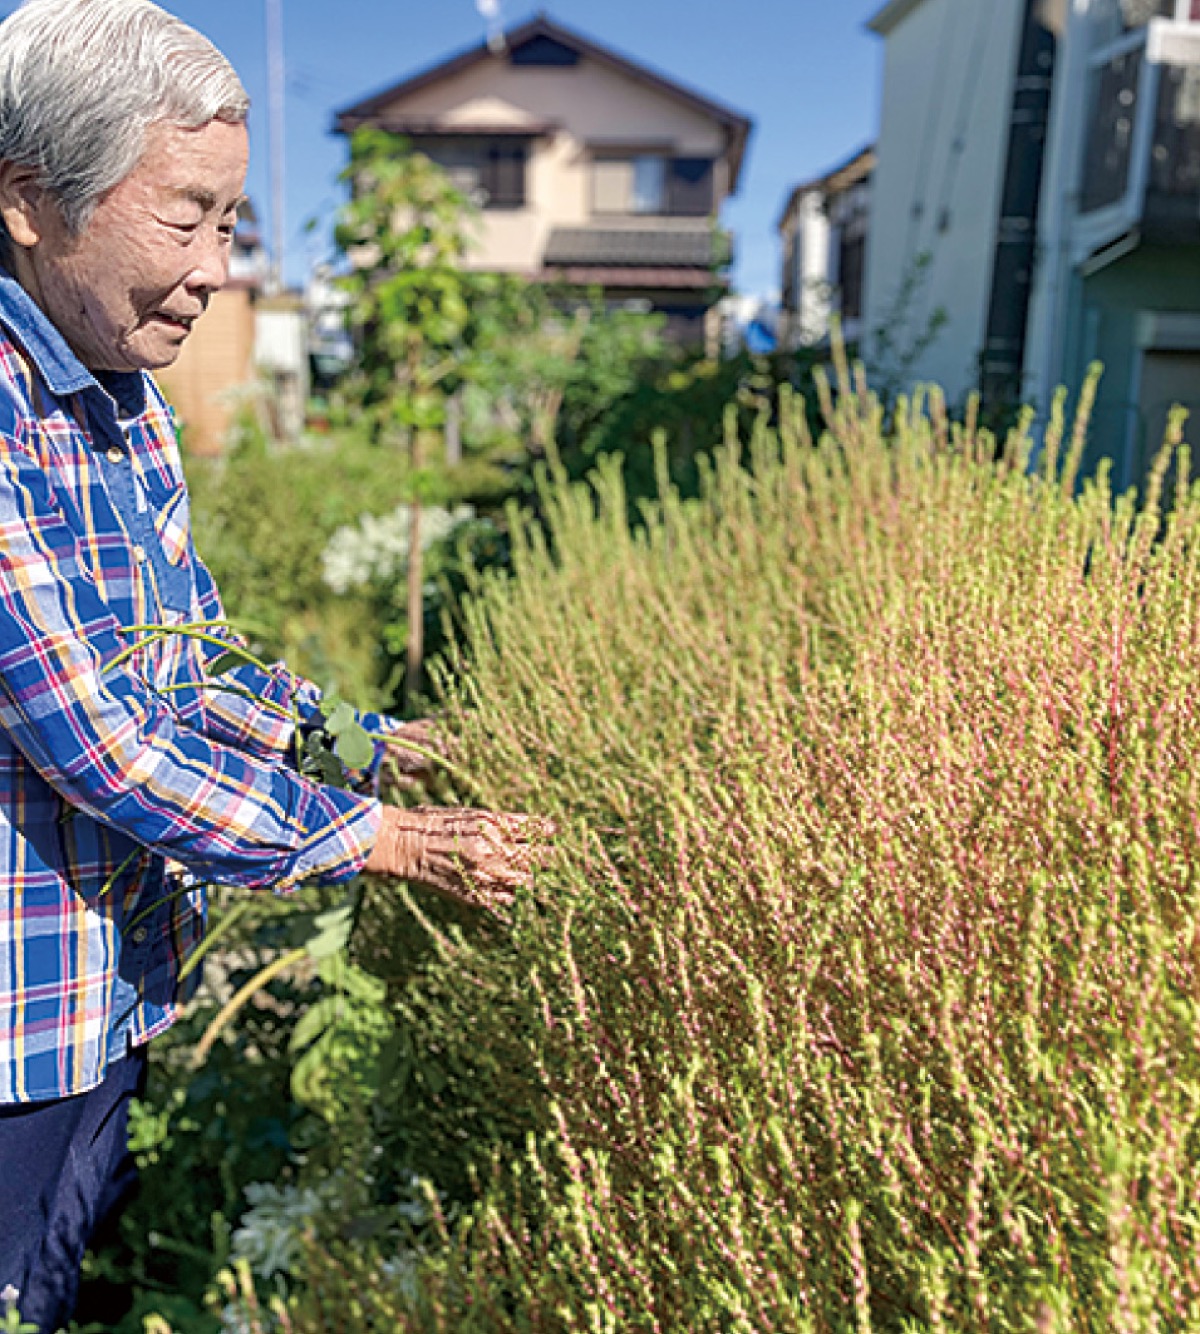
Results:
x,y
113,766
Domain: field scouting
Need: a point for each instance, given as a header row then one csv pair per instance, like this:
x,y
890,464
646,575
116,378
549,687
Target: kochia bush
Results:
x,y
864,989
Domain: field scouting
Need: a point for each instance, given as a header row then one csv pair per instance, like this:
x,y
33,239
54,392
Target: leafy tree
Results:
x,y
490,366
416,311
563,363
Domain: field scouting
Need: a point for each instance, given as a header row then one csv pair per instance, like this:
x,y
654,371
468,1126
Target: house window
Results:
x,y
649,183
544,51
491,172
623,185
690,187
852,254
503,175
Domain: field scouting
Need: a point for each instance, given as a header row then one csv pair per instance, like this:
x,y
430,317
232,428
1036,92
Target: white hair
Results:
x,y
82,81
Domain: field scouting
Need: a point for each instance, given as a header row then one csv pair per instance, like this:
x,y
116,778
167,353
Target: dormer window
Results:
x,y
544,51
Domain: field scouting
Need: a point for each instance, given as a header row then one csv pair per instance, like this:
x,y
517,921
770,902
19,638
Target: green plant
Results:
x,y
861,990
905,330
416,311
263,517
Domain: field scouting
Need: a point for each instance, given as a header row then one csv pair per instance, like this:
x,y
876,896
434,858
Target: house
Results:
x,y
591,170
823,231
1038,187
1119,274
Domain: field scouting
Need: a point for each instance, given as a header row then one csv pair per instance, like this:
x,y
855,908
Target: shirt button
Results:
x,y
139,936
115,454
139,554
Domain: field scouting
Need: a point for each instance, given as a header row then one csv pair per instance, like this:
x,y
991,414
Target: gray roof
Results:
x,y
654,246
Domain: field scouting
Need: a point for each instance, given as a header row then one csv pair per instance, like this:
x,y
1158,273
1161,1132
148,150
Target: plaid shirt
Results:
x,y
112,766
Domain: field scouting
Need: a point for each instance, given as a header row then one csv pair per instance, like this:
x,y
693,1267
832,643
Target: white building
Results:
x,y
823,233
948,87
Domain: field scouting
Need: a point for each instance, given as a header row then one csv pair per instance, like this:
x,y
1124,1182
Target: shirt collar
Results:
x,y
23,319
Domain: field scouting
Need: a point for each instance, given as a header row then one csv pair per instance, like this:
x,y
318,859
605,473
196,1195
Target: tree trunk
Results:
x,y
416,605
454,416
416,585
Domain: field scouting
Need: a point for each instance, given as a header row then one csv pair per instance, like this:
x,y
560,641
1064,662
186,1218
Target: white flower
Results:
x,y
271,1229
375,549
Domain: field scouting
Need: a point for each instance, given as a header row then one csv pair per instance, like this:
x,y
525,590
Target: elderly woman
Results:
x,y
122,157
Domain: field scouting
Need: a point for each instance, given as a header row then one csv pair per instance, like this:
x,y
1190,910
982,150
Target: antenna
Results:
x,y
490,10
275,144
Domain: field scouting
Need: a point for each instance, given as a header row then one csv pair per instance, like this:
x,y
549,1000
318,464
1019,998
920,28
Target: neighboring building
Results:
x,y
248,352
331,349
282,362
1119,276
591,170
215,369
950,79
824,238
1039,185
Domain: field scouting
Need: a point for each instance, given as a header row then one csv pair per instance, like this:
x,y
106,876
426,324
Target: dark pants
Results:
x,y
64,1169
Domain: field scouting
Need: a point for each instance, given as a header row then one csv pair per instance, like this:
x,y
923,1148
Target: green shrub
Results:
x,y
861,992
263,518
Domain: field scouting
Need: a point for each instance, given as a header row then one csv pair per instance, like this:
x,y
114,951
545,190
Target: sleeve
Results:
x,y
113,749
257,717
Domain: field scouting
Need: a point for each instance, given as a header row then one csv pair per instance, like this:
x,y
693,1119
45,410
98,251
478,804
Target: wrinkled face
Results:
x,y
125,292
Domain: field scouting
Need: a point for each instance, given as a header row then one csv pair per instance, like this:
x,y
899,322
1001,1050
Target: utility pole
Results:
x,y
275,80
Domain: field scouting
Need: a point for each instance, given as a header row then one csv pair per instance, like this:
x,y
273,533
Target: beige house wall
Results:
x,y
216,360
592,106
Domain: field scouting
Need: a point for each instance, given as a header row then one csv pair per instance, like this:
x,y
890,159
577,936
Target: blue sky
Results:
x,y
805,71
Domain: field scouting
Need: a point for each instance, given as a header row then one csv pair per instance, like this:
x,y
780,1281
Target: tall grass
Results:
x,y
862,990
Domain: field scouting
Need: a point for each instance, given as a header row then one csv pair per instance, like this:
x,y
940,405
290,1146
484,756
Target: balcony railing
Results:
x,y
1172,206
1108,152
1141,159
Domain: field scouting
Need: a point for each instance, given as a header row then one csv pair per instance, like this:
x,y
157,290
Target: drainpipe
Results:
x,y
1016,241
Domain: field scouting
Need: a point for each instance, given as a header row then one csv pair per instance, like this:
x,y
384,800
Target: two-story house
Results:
x,y
1038,186
592,171
823,235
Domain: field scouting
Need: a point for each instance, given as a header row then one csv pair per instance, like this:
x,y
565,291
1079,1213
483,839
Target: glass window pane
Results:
x,y
649,184
461,162
504,176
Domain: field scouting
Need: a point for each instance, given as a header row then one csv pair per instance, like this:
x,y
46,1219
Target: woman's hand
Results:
x,y
404,767
474,857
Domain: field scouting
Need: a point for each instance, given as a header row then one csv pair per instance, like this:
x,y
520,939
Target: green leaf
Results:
x,y
354,747
316,1021
320,763
339,718
227,661
333,929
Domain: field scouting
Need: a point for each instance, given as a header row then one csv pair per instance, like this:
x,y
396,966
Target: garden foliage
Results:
x,y
264,518
861,991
